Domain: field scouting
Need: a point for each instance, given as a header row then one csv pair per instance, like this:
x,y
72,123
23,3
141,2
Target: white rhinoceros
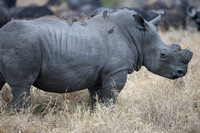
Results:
x,y
98,54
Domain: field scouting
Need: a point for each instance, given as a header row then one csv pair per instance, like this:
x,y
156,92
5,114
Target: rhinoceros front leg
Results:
x,y
94,94
111,86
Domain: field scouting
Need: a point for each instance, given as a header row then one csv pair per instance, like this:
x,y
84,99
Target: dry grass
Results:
x,y
148,103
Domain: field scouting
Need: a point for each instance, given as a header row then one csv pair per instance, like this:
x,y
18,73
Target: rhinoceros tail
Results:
x,y
2,81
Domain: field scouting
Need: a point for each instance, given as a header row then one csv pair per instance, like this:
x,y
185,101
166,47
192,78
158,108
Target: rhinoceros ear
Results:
x,y
140,22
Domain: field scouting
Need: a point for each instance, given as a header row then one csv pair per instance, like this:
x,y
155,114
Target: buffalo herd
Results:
x,y
179,14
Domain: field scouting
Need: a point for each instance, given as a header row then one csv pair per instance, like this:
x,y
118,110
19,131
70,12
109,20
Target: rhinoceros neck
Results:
x,y
125,22
121,23
138,46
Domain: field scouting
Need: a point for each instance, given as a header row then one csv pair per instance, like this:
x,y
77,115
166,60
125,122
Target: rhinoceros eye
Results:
x,y
163,54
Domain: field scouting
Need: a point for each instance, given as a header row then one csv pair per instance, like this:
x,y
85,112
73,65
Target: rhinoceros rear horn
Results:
x,y
187,55
156,20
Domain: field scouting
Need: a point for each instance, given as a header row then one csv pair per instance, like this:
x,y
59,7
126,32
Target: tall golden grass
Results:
x,y
148,103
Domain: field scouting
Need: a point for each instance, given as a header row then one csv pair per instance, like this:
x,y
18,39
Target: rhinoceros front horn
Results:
x,y
187,55
156,20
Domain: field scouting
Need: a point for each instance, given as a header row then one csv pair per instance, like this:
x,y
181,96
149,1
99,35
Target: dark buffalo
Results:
x,y
10,3
194,16
175,15
156,6
79,9
53,2
84,6
4,14
174,18
30,12
179,4
77,4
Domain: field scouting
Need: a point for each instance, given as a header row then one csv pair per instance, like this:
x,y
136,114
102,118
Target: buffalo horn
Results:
x,y
191,11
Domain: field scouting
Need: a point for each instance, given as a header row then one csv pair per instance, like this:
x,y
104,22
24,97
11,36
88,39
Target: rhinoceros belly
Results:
x,y
65,79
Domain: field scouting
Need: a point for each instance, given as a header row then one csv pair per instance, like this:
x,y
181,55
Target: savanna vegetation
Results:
x,y
148,103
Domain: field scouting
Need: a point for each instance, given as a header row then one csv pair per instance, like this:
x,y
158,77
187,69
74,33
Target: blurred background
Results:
x,y
109,3
148,103
176,14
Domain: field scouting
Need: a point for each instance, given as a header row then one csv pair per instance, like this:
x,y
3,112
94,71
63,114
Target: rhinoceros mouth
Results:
x,y
178,74
174,77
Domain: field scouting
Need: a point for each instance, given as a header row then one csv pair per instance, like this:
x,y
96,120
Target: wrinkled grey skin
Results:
x,y
57,57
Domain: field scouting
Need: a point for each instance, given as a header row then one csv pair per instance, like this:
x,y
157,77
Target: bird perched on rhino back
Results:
x,y
147,15
101,10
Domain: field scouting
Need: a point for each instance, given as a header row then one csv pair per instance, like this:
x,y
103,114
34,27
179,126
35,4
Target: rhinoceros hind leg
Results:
x,y
20,96
2,81
20,68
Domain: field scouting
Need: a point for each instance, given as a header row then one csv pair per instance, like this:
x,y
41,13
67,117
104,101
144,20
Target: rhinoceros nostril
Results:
x,y
174,75
181,72
178,73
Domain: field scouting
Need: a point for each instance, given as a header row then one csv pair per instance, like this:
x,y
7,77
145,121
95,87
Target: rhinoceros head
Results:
x,y
169,61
